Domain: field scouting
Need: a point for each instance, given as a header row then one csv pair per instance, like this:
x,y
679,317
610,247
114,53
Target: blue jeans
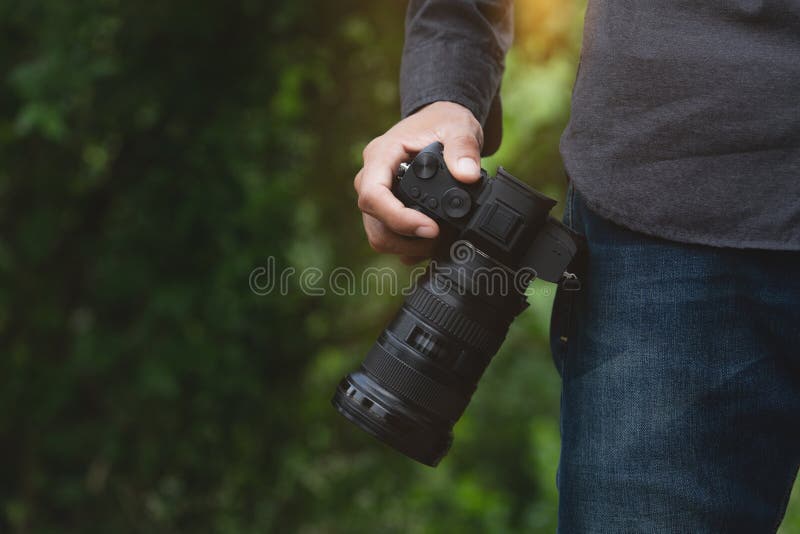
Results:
x,y
680,407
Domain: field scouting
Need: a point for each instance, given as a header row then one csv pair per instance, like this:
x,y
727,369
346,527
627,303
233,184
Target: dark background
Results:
x,y
152,155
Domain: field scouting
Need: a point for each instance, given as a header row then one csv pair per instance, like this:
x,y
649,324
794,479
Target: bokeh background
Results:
x,y
152,154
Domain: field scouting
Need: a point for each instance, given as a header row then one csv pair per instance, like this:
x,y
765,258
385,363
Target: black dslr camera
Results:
x,y
496,235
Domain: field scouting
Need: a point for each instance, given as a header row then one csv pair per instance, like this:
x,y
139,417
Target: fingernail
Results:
x,y
467,166
426,232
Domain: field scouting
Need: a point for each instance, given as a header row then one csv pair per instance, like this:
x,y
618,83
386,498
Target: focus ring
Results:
x,y
451,320
406,381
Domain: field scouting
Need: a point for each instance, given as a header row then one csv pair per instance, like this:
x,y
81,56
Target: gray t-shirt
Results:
x,y
685,115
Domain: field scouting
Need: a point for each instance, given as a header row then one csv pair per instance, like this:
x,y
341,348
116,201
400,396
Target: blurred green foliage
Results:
x,y
153,155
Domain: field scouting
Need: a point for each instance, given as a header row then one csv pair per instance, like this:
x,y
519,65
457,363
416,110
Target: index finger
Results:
x,y
379,201
375,196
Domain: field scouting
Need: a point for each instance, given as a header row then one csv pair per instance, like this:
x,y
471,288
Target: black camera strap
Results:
x,y
552,251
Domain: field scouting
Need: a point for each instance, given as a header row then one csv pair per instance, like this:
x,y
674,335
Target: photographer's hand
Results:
x,y
390,226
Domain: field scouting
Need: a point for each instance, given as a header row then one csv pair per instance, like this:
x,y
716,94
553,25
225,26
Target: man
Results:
x,y
680,358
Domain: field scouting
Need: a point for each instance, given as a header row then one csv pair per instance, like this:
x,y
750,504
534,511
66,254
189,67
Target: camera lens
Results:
x,y
420,374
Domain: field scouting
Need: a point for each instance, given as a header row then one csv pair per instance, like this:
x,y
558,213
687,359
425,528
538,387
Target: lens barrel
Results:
x,y
420,374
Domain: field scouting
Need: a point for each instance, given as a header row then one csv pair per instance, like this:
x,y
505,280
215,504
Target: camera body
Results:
x,y
499,216
418,377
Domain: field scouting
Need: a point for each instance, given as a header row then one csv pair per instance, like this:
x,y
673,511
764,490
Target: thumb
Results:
x,y
462,155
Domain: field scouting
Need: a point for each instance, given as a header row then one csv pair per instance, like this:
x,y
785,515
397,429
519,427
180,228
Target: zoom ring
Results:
x,y
414,386
452,321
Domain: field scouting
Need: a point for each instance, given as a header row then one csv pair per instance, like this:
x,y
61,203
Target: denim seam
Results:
x,y
570,205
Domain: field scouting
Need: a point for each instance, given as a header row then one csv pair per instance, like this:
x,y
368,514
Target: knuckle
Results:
x,y
370,148
376,243
461,131
464,142
479,136
471,132
365,201
472,123
462,139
